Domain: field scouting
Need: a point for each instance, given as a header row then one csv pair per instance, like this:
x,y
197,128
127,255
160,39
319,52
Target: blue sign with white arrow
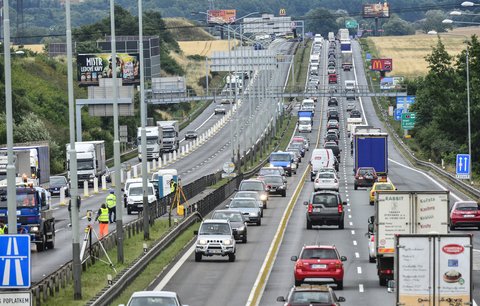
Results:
x,y
15,264
463,166
397,115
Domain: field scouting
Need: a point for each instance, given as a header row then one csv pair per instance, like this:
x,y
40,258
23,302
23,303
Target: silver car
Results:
x,y
251,194
141,298
326,181
215,238
248,207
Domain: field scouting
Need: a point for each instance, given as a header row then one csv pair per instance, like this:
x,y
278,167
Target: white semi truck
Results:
x,y
170,141
91,161
154,142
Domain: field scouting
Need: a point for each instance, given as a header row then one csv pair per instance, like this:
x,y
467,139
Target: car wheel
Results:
x,y
371,202
355,187
129,211
244,239
382,281
340,285
231,257
452,227
341,225
259,222
298,282
309,224
284,193
371,259
198,257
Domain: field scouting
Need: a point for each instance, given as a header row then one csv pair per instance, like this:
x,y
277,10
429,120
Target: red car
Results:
x,y
319,264
465,213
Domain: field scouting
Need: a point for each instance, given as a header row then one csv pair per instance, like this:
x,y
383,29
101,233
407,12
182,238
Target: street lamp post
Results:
x,y
467,63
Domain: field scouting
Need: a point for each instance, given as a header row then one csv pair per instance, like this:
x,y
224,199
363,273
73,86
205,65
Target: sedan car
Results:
x,y
303,140
332,101
465,213
141,298
220,109
311,295
331,137
350,106
325,208
275,184
258,186
271,171
237,222
56,185
250,194
299,146
191,135
332,124
320,264
249,209
378,186
364,177
355,114
326,181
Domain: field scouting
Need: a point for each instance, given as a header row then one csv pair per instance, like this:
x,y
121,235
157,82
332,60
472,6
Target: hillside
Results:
x,y
185,30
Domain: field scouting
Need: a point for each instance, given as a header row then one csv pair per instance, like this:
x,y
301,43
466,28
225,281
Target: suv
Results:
x,y
333,114
215,237
332,101
365,177
325,208
311,295
258,186
237,222
320,262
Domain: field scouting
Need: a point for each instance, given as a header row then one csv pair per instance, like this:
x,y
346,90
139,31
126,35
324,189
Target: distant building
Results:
x,y
62,2
267,24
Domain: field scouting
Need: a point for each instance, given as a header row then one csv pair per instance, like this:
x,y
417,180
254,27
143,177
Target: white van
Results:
x,y
322,158
135,197
305,125
308,105
350,85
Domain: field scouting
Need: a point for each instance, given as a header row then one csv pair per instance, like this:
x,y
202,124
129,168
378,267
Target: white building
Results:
x,y
267,24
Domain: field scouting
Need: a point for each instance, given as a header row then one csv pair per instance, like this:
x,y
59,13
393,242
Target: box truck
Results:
x,y
91,161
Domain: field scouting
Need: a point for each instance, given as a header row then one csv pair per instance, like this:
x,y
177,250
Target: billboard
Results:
x,y
381,64
221,16
377,10
389,83
93,67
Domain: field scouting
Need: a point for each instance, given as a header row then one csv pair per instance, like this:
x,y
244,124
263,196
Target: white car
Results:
x,y
326,181
328,170
154,298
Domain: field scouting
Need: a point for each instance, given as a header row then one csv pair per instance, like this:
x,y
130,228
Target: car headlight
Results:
x,y
202,242
92,176
130,201
241,229
263,197
227,241
254,214
34,229
294,166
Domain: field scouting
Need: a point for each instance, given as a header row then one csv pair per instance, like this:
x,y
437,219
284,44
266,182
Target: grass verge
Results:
x,y
301,66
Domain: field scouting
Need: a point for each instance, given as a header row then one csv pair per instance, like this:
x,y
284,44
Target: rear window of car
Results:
x,y
467,206
258,186
383,187
246,194
309,297
328,200
268,171
326,175
319,254
364,171
273,179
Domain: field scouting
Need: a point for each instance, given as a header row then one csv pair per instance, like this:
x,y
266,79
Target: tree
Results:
x,y
397,26
321,21
433,21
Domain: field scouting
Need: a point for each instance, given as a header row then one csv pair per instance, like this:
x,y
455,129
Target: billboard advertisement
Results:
x,y
93,67
377,10
221,16
381,64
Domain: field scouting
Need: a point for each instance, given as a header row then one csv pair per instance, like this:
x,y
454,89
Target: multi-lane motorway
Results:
x,y
219,282
206,159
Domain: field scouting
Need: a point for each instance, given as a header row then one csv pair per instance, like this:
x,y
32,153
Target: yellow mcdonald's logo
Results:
x,y
377,64
283,12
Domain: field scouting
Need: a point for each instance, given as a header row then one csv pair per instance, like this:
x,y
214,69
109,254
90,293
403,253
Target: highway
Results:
x,y
206,159
218,282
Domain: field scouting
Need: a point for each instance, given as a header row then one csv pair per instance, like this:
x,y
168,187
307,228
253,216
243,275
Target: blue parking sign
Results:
x,y
463,166
397,115
15,265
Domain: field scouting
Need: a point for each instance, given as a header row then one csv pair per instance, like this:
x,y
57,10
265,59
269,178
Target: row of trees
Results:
x,y
441,104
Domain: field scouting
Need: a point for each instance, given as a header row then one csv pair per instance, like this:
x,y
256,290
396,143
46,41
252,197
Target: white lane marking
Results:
x,y
359,270
349,210
354,242
351,223
174,269
353,232
206,120
349,216
360,287
357,255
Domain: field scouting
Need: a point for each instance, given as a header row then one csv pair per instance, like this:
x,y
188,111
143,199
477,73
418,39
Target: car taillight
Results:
x,y
317,181
310,208
386,271
338,264
372,193
372,238
360,177
340,208
335,180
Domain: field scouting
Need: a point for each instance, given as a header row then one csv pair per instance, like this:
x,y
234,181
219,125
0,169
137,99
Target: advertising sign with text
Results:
x,y
221,16
377,10
381,64
93,67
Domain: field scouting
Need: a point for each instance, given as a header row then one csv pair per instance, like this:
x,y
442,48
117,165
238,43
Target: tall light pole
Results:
x,y
116,142
467,63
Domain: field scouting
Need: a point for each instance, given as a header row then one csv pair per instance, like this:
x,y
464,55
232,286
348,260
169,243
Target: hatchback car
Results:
x,y
325,208
249,209
220,109
333,114
307,295
275,184
365,177
350,106
355,114
250,194
258,186
332,101
333,132
326,181
191,135
378,186
141,298
319,264
237,222
332,124
465,213
56,185
303,140
299,146
331,70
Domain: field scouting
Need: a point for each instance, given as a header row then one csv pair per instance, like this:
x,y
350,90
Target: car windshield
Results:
x,y
365,171
215,229
153,301
319,254
24,199
466,206
243,204
57,181
308,297
273,179
138,191
280,157
384,187
150,140
85,164
258,186
225,215
168,134
246,195
191,132
329,200
266,171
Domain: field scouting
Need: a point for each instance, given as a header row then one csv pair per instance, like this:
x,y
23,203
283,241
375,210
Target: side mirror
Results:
x,y
281,299
343,258
195,232
391,286
227,206
341,299
305,203
294,258
123,190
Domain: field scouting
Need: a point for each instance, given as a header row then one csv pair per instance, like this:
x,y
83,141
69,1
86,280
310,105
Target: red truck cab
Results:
x,y
332,78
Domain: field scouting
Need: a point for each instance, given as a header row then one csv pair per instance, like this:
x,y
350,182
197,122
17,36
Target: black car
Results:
x,y
333,131
355,114
332,101
311,295
333,114
191,135
57,183
325,208
331,137
335,148
298,145
276,184
237,222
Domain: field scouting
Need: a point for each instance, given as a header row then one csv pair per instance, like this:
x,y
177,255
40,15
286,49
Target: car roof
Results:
x,y
309,287
227,211
139,184
133,180
326,192
466,202
252,180
154,294
332,247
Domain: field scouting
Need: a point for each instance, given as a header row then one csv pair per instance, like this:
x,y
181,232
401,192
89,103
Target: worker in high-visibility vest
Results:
x,y
111,201
3,228
102,218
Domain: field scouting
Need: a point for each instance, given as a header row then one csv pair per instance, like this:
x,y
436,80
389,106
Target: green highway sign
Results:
x,y
351,24
408,120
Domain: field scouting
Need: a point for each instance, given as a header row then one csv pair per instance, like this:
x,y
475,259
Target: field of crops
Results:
x,y
204,48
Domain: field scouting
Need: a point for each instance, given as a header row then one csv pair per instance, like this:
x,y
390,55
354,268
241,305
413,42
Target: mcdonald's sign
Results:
x,y
283,12
381,64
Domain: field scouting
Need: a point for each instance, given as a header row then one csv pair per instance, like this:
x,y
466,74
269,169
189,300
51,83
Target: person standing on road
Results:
x,y
102,218
111,204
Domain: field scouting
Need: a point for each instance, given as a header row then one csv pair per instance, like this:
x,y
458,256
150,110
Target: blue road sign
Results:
x,y
397,115
15,265
405,102
463,166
